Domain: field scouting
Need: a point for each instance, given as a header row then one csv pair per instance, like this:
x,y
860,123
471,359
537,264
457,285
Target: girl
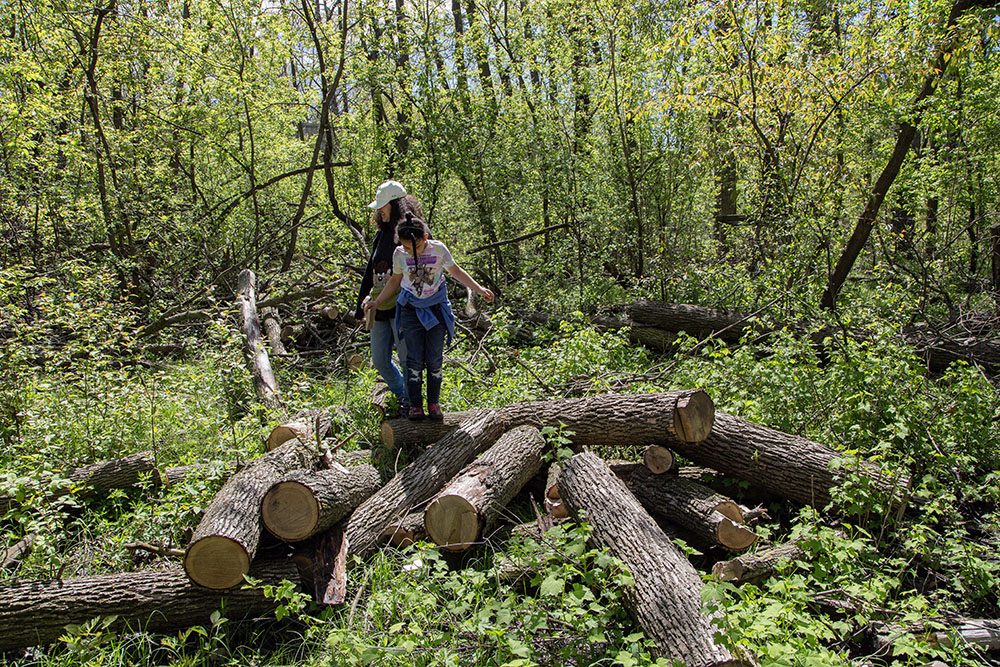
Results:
x,y
391,203
423,310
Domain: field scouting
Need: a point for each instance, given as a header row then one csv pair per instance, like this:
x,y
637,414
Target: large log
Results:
x,y
789,466
620,419
406,531
399,432
35,613
471,502
96,480
227,538
306,502
418,482
254,348
307,426
666,598
753,567
711,517
696,321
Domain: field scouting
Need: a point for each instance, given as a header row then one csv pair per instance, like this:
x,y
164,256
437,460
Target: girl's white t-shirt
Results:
x,y
423,276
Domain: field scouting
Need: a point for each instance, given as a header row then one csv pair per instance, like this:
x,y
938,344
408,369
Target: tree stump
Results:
x,y
472,501
666,598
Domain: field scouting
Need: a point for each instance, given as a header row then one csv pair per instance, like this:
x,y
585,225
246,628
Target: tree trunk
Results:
x,y
658,459
227,538
623,419
788,466
399,432
753,567
419,481
254,350
666,598
711,517
98,479
309,426
697,321
472,502
272,327
379,397
553,501
177,474
653,337
307,502
37,612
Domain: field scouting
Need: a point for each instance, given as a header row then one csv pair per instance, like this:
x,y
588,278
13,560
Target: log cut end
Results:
x,y
285,432
728,570
658,459
735,536
290,511
696,416
216,562
387,437
452,522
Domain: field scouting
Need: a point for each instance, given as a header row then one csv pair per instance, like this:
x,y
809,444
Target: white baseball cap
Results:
x,y
387,192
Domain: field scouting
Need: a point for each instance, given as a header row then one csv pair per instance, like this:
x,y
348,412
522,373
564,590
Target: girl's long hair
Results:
x,y
398,208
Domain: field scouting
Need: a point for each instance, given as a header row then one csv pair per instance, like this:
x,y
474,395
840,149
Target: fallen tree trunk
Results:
x,y
788,466
306,502
418,482
711,517
379,398
36,613
666,598
98,479
13,555
753,567
982,634
399,432
696,321
228,535
621,419
553,501
272,327
658,459
264,384
178,474
471,502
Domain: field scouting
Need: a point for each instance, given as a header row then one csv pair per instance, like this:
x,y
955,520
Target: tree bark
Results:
x,y
623,419
753,567
666,598
98,479
406,531
420,480
254,349
227,538
711,517
36,613
399,432
272,327
472,502
788,466
697,321
307,502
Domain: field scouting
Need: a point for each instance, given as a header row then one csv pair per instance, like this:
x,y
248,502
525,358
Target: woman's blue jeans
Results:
x,y
424,349
384,338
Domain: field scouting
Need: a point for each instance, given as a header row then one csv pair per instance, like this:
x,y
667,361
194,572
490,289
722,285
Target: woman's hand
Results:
x,y
370,304
487,294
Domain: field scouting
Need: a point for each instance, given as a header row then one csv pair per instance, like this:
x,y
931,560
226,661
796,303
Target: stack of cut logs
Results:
x,y
324,506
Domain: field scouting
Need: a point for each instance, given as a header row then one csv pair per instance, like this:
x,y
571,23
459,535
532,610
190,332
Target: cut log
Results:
x,y
177,474
400,432
653,337
379,398
753,567
96,480
36,613
981,634
711,517
788,466
553,501
272,328
658,459
330,312
666,598
227,538
406,531
12,556
307,426
418,482
306,502
471,502
621,419
264,384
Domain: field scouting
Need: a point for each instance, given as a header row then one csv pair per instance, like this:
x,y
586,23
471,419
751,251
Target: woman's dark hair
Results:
x,y
398,208
411,229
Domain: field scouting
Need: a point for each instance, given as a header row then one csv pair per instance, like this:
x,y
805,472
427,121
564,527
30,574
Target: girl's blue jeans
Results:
x,y
384,338
424,349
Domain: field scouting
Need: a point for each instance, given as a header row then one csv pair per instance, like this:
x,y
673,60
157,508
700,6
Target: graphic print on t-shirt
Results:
x,y
421,272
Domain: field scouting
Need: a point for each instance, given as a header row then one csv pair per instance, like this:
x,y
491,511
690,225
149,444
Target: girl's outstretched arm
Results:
x,y
390,287
461,276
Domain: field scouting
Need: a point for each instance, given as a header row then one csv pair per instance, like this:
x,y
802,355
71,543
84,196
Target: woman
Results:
x,y
391,205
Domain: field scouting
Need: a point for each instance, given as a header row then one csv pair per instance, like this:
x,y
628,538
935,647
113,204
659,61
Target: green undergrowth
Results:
x,y
867,567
